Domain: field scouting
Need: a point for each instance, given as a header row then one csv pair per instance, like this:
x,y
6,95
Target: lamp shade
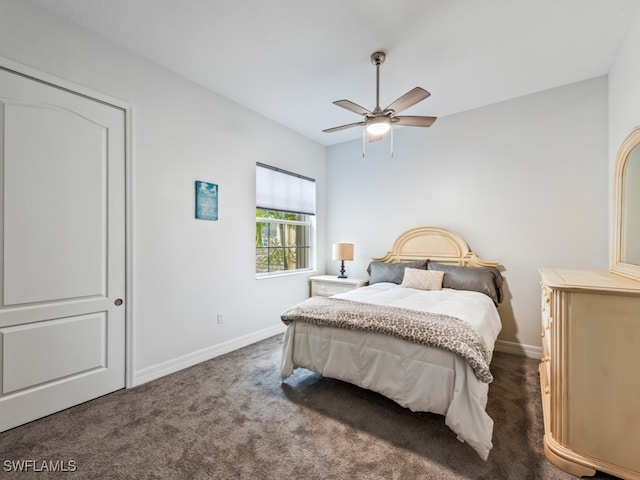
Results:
x,y
343,251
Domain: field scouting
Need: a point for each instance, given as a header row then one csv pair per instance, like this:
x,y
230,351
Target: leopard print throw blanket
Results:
x,y
430,329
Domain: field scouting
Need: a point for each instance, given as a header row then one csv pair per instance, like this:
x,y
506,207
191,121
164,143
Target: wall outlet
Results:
x,y
219,318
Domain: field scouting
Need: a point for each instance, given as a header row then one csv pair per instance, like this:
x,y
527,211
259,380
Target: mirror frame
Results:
x,y
617,264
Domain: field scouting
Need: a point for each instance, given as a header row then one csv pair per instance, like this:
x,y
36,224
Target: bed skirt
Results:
x,y
431,380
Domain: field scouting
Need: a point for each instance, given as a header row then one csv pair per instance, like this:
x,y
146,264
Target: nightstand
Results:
x,y
327,285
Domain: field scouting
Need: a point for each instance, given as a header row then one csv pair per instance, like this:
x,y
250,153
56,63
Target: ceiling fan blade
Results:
x,y
352,107
342,127
413,121
409,99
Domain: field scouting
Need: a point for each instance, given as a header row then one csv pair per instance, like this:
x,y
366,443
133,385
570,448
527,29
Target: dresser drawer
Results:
x,y
545,335
545,391
328,289
545,377
546,302
327,285
546,345
546,320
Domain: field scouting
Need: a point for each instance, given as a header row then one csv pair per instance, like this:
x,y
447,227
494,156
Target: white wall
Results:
x,y
523,181
624,90
624,95
184,271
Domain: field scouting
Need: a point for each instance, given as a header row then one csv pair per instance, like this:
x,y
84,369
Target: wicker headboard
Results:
x,y
435,244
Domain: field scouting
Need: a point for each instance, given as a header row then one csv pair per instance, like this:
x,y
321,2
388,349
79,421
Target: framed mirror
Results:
x,y
625,255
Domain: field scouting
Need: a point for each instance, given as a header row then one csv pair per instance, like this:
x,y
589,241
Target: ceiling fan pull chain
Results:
x,y
391,140
364,134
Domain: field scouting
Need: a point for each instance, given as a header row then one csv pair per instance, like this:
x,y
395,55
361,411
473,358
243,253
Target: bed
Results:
x,y
439,363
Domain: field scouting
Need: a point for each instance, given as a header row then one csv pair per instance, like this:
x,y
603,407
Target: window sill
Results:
x,y
262,276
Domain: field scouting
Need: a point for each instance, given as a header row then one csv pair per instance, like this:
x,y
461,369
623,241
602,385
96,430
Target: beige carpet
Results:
x,y
232,418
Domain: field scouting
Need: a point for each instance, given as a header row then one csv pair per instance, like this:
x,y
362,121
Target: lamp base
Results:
x,y
342,275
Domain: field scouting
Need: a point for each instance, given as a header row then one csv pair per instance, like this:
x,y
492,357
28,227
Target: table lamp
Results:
x,y
342,252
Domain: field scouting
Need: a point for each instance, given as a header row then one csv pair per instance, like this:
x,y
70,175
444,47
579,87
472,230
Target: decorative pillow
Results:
x,y
391,272
487,280
422,279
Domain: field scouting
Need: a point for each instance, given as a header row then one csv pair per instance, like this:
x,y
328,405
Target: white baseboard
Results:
x,y
518,349
170,366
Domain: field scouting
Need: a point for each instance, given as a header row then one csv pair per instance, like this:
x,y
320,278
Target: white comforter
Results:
x,y
417,377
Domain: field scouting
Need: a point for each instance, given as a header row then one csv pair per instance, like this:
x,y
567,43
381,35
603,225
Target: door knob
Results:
x,y
118,302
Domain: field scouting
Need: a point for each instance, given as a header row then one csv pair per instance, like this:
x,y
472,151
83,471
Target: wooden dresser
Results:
x,y
590,371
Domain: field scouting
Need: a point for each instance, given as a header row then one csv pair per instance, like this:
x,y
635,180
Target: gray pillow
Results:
x,y
391,272
487,280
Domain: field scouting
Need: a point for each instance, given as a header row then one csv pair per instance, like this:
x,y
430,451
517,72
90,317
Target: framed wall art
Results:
x,y
206,201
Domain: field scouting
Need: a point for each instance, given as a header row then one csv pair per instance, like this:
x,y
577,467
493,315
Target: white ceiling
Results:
x,y
289,59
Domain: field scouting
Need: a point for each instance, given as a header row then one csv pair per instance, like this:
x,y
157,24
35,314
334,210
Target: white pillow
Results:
x,y
422,279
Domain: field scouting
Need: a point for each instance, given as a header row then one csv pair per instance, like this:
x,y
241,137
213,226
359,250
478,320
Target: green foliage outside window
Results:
x,y
282,241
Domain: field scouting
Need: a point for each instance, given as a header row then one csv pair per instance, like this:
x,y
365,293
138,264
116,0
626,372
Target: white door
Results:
x,y
62,249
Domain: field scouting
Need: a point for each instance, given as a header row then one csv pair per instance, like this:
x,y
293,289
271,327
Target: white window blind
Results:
x,y
283,191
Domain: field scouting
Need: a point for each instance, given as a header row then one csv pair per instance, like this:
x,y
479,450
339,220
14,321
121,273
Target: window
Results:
x,y
285,209
283,241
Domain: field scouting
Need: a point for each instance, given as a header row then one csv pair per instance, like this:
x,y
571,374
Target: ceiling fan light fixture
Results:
x,y
377,122
378,126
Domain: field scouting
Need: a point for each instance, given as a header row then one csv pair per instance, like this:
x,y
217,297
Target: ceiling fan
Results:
x,y
378,122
